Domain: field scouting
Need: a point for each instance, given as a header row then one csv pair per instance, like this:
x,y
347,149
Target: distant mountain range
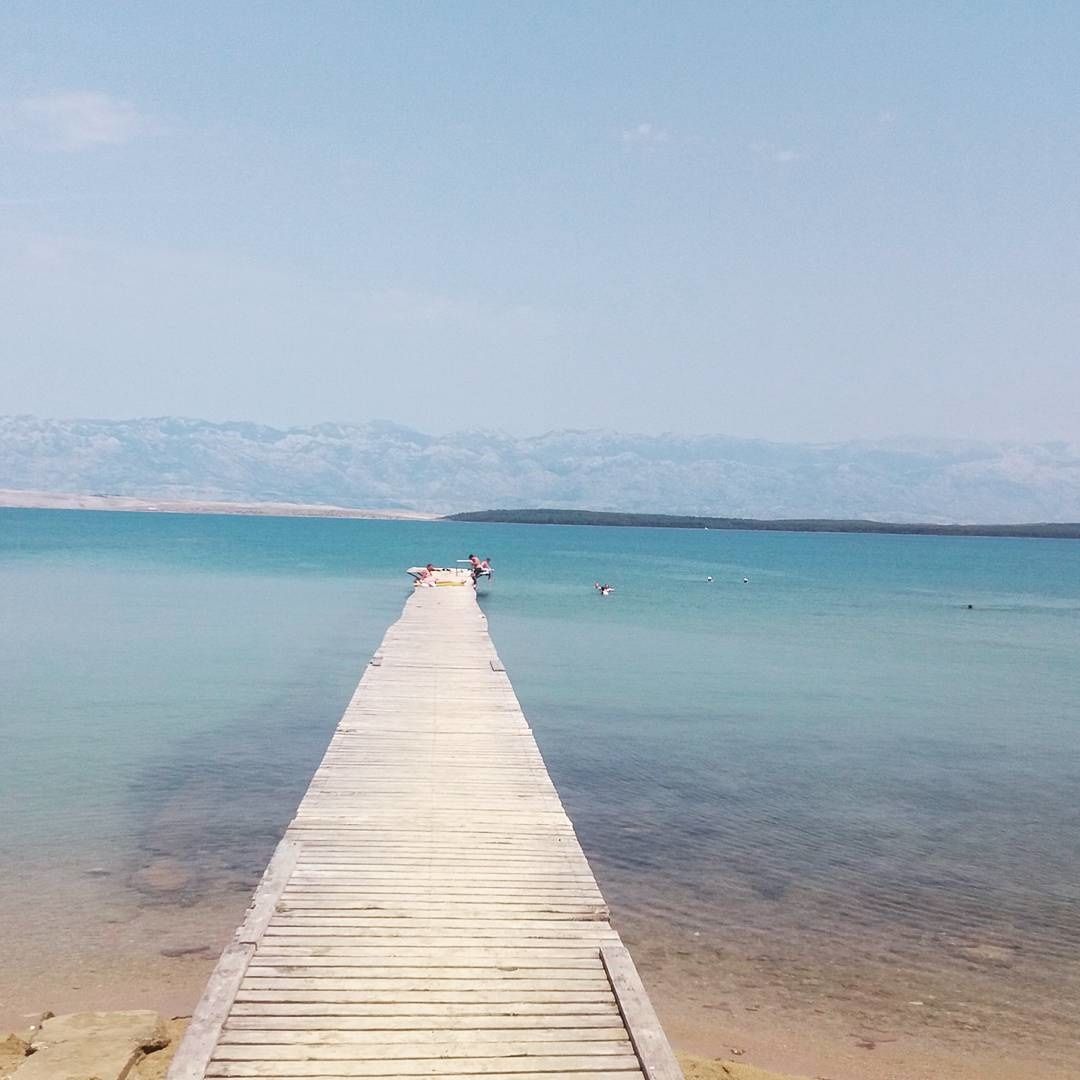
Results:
x,y
383,465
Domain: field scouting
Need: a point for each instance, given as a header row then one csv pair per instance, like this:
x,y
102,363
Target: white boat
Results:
x,y
436,576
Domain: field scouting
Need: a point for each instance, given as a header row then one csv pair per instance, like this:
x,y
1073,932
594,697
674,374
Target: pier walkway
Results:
x,y
429,911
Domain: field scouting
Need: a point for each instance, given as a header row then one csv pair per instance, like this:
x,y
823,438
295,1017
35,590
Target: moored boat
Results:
x,y
432,576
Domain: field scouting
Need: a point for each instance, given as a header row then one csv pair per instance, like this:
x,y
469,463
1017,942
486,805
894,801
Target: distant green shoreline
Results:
x,y
1039,530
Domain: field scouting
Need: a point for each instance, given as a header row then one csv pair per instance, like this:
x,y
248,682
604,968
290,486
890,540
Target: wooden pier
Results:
x,y
429,911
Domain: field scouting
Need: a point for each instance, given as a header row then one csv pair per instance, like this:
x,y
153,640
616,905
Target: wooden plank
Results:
x,y
431,959
354,903
424,890
268,892
420,997
469,881
406,1028
446,922
465,910
474,849
262,968
520,874
658,1062
429,941
431,1011
373,846
586,1074
560,934
521,877
423,984
197,1046
482,1066
421,929
371,850
444,1050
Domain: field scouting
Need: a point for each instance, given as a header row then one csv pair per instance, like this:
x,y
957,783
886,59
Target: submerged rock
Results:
x,y
162,875
990,955
176,951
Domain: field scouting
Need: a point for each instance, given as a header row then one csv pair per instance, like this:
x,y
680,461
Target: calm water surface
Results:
x,y
836,767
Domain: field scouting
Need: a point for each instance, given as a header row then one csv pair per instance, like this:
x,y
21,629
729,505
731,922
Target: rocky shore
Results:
x,y
133,1045
139,1044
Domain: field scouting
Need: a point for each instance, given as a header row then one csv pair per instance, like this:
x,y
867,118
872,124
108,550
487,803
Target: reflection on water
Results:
x,y
831,790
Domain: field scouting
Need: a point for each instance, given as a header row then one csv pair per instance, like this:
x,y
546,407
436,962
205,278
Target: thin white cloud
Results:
x,y
73,120
402,305
7,202
646,135
779,155
408,307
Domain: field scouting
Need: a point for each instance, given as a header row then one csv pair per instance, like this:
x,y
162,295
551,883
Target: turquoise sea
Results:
x,y
834,789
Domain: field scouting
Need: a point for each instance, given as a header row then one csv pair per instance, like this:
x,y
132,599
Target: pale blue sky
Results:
x,y
785,220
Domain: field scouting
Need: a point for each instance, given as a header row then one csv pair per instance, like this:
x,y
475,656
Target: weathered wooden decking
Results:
x,y
429,911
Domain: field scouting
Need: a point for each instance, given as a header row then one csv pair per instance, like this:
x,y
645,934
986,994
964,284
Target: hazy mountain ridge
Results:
x,y
378,464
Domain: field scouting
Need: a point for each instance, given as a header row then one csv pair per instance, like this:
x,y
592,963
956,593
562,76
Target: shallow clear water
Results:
x,y
835,766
